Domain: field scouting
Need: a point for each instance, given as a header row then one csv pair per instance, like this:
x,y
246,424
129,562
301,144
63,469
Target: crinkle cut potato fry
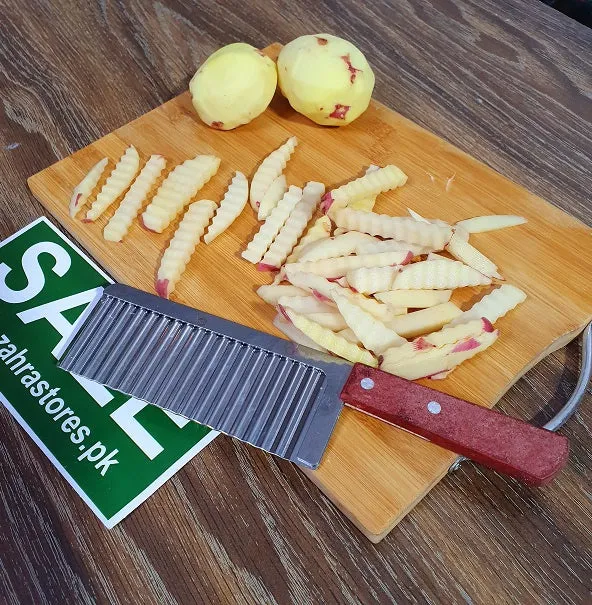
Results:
x,y
321,229
272,196
119,224
367,186
372,333
83,190
232,204
439,275
182,245
294,226
393,227
438,360
263,239
272,293
177,190
371,280
269,170
494,305
342,245
117,182
337,267
331,341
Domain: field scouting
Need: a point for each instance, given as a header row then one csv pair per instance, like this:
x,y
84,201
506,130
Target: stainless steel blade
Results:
x,y
266,391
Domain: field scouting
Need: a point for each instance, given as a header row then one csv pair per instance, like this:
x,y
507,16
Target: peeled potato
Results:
x,y
325,78
233,86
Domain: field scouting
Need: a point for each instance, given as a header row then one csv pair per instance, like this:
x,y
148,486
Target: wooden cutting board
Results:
x,y
373,472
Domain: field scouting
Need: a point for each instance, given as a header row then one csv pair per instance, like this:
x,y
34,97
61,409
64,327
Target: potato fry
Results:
x,y
480,224
416,216
382,312
434,256
393,227
493,306
332,321
438,275
349,335
272,196
369,185
341,245
86,186
331,341
321,287
433,362
433,221
182,245
259,245
269,170
441,338
450,334
389,245
373,334
371,280
336,267
119,224
305,304
470,256
177,190
117,182
415,299
426,320
294,334
294,225
232,204
366,204
271,294
321,229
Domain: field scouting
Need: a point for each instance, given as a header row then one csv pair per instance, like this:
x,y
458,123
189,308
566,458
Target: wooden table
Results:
x,y
507,82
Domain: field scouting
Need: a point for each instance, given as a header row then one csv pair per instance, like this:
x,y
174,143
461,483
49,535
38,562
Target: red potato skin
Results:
x,y
266,267
326,202
420,344
144,225
217,125
86,220
466,345
284,314
408,258
340,111
162,286
487,325
322,41
321,297
352,70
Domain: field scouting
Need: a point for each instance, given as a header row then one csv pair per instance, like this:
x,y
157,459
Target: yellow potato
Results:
x,y
233,86
325,78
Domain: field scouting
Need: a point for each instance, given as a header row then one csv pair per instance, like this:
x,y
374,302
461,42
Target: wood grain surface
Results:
x,y
510,84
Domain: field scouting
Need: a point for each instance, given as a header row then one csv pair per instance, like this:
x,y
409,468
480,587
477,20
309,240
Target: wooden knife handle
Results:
x,y
503,443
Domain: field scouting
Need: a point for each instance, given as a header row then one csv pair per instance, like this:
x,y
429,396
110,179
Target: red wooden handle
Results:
x,y
500,442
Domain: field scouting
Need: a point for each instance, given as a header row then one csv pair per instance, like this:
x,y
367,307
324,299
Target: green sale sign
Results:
x,y
114,450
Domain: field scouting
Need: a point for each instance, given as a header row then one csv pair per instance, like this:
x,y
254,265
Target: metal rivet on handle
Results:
x,y
367,383
434,407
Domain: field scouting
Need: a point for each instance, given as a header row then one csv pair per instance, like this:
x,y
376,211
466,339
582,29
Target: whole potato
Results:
x,y
233,86
325,78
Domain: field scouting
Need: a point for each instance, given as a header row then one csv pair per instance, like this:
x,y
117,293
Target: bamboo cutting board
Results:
x,y
373,472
